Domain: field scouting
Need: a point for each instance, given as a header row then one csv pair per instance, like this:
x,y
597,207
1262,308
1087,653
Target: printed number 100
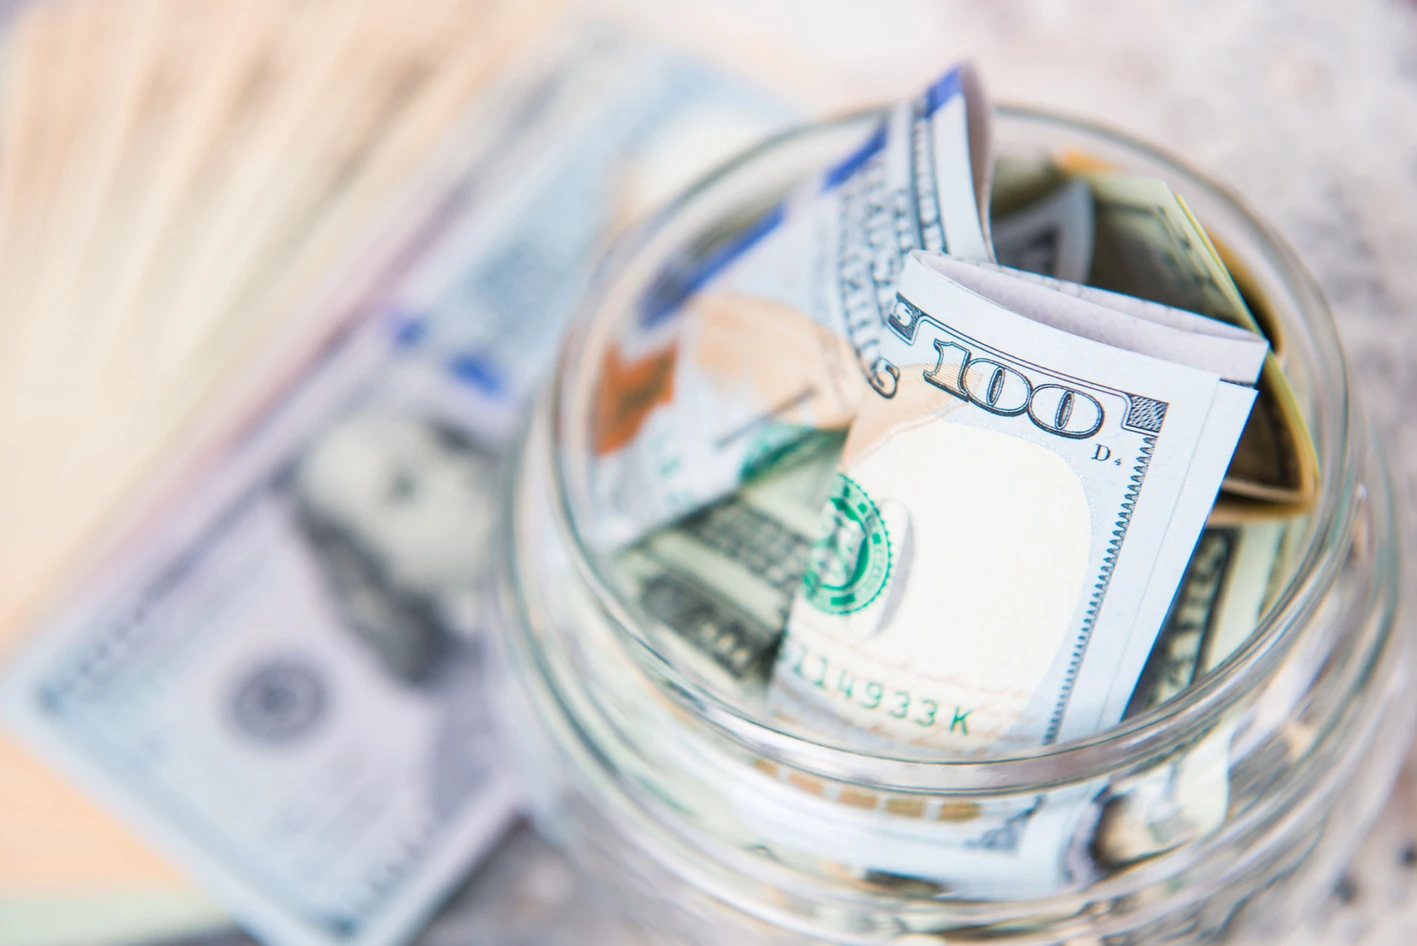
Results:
x,y
1001,389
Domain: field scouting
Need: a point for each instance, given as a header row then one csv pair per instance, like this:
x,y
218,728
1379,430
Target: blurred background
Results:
x,y
207,204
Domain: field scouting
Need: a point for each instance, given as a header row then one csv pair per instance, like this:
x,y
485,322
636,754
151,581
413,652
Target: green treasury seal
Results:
x,y
850,564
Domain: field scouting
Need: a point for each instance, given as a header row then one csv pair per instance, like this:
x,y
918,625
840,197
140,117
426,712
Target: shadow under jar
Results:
x,y
708,822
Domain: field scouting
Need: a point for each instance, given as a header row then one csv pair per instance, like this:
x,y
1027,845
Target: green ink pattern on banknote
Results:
x,y
850,565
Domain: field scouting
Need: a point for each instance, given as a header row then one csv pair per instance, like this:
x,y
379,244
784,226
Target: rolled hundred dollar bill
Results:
x,y
1012,519
778,332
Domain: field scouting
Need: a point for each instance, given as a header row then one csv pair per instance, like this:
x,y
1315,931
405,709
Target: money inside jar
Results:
x,y
949,454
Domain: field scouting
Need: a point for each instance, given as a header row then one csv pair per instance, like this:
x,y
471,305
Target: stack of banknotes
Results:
x,y
932,463
278,282
177,178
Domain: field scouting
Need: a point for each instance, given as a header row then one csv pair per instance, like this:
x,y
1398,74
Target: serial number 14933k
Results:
x,y
841,684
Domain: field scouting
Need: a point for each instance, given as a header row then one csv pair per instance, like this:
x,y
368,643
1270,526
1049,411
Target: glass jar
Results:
x,y
706,822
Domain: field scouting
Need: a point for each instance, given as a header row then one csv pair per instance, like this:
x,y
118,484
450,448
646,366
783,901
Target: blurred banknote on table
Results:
x,y
276,671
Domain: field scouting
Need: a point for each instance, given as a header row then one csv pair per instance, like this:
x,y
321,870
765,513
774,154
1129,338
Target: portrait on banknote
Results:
x,y
395,508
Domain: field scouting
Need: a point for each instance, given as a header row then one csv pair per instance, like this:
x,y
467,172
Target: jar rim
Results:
x,y
1156,731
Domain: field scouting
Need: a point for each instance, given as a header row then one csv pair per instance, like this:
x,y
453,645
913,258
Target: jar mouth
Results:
x,y
1332,414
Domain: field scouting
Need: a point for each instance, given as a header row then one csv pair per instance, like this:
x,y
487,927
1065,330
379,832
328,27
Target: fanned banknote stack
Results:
x,y
177,178
268,269
954,456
